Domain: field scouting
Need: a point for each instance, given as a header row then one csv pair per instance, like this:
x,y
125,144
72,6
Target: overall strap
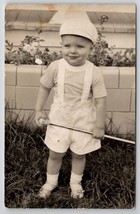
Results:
x,y
87,81
60,79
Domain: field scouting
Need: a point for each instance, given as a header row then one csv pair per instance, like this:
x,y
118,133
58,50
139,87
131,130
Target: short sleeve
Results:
x,y
48,79
98,85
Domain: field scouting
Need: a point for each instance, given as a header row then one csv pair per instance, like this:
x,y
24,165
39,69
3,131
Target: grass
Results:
x,y
109,177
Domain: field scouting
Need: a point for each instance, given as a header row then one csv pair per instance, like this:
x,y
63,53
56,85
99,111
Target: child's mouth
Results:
x,y
73,57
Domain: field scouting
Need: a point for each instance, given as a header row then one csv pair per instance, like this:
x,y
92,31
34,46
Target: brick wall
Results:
x,y
22,83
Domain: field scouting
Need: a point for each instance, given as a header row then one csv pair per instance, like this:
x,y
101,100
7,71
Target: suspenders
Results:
x,y
60,79
87,80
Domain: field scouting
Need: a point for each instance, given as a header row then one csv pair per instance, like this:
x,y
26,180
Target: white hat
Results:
x,y
81,26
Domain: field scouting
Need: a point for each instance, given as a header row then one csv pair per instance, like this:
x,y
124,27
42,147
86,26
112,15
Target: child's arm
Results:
x,y
98,131
41,100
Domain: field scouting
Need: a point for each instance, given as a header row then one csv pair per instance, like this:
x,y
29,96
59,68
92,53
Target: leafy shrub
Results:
x,y
30,52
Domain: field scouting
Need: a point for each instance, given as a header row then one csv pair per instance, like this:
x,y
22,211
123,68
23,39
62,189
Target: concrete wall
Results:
x,y
22,83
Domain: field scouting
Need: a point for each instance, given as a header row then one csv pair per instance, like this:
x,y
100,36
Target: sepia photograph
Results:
x,y
70,106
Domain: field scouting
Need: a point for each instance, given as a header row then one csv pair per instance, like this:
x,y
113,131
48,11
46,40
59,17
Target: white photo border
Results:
x,y
5,210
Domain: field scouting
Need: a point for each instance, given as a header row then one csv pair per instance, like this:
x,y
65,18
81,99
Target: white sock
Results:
x,y
52,179
76,178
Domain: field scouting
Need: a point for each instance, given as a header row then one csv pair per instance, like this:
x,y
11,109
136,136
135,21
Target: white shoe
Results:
x,y
76,190
46,190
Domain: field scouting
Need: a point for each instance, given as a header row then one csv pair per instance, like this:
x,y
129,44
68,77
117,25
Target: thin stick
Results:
x,y
119,139
87,132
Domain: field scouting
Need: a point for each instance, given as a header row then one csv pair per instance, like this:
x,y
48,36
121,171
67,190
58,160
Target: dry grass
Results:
x,y
109,178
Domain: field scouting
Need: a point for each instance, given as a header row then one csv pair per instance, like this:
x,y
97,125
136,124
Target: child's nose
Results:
x,y
73,49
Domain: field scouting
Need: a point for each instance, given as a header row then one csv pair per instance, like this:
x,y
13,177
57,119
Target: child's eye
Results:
x,y
80,46
67,46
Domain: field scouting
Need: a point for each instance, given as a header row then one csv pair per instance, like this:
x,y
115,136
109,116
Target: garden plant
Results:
x,y
31,52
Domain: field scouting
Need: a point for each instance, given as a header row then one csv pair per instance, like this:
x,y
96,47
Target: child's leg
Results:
x,y
53,167
78,165
54,162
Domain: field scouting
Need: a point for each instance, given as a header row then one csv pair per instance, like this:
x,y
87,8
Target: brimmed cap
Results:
x,y
80,27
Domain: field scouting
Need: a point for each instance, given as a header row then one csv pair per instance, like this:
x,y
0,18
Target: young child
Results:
x,y
79,102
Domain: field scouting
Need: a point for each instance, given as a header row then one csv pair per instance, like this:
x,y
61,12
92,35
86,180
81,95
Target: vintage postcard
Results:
x,y
70,106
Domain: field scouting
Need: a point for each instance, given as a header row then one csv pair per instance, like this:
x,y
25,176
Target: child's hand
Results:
x,y
98,133
40,118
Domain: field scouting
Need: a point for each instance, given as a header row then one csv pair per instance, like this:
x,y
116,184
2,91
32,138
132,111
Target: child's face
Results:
x,y
75,49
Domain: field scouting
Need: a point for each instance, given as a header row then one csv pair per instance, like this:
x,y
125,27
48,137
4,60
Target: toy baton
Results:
x,y
46,122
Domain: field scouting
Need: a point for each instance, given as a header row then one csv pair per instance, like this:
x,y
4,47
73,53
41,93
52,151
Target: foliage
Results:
x,y
103,55
30,52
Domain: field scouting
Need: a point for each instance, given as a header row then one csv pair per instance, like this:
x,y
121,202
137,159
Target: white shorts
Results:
x,y
61,139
